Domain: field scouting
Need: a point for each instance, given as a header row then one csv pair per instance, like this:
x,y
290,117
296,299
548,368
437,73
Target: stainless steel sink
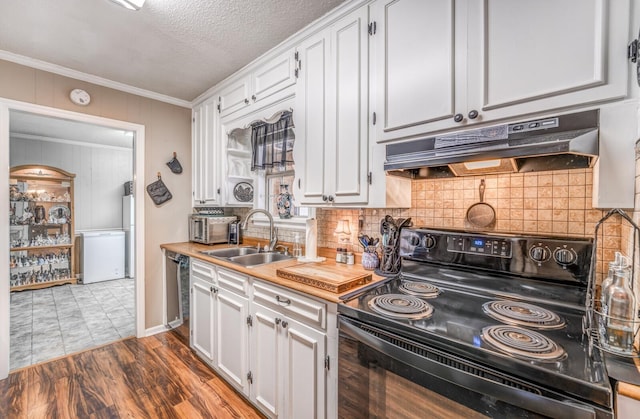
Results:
x,y
230,252
257,259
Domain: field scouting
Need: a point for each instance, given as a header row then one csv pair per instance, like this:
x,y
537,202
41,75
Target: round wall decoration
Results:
x,y
243,192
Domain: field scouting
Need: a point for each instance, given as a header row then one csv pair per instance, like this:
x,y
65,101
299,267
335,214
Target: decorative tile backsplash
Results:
x,y
551,203
554,203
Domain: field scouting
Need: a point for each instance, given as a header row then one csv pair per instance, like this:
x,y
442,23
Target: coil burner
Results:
x,y
522,343
523,314
401,306
419,289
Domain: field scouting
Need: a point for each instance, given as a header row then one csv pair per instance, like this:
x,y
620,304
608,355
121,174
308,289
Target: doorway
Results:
x,y
15,114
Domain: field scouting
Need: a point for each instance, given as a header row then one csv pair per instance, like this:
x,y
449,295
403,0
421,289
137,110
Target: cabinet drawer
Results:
x,y
233,281
291,304
202,270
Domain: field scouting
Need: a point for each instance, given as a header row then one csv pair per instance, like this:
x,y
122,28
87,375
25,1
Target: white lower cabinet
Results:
x,y
287,366
232,347
265,355
270,343
202,309
303,361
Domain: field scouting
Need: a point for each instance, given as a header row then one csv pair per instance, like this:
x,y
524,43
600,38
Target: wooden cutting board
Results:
x,y
332,278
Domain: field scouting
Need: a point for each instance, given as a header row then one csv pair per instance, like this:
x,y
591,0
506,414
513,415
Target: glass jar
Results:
x,y
620,320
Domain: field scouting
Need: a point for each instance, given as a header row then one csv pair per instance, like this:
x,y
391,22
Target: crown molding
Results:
x,y
89,78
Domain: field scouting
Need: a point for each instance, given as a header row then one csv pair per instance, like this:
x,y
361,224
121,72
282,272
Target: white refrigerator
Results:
x,y
128,226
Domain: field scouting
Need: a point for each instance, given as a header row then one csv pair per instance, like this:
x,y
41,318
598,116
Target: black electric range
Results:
x,y
512,303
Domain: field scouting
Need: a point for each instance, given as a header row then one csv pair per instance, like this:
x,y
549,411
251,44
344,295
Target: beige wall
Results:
x,y
167,129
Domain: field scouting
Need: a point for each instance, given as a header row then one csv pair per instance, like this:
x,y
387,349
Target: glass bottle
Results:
x,y
621,305
297,246
613,265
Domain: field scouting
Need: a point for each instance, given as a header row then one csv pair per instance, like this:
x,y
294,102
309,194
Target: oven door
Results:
x,y
382,375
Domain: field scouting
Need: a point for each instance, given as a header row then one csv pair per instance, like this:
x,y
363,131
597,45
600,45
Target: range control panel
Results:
x,y
558,258
479,245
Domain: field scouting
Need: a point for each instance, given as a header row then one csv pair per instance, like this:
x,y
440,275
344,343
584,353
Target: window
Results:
x,y
272,159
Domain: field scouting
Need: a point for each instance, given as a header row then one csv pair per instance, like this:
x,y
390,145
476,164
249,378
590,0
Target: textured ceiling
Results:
x,y
178,48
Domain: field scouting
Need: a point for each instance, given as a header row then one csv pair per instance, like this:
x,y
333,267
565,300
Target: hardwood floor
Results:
x,y
153,377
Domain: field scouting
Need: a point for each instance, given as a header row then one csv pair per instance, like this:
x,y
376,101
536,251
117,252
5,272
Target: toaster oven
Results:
x,y
209,229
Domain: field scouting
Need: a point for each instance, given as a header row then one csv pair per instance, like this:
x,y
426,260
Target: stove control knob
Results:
x,y
414,240
565,257
539,253
429,242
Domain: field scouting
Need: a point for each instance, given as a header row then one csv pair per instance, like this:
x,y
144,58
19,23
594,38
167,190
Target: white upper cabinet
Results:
x,y
206,154
331,150
414,65
445,64
267,81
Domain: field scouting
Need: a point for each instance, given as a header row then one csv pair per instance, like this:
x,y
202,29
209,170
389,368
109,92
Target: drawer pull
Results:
x,y
285,301
284,324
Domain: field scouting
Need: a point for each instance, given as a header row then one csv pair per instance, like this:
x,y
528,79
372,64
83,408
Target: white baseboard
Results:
x,y
155,330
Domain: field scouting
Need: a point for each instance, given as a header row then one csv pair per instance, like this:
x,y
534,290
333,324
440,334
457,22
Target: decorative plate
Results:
x,y
59,214
243,192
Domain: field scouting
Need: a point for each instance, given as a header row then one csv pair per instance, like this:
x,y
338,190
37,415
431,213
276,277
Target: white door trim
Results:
x,y
6,106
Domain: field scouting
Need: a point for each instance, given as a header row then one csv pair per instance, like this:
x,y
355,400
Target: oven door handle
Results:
x,y
520,398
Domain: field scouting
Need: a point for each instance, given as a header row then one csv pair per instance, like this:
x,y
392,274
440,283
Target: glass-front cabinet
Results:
x,y
41,231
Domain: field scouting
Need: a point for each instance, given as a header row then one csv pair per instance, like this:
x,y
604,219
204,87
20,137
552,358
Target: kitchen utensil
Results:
x,y
481,214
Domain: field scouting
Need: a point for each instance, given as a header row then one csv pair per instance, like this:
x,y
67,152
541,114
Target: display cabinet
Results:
x,y
41,230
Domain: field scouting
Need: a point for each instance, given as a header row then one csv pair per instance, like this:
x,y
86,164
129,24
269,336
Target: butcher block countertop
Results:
x,y
268,271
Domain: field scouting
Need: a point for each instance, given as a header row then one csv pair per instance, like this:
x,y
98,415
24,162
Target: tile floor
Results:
x,y
57,321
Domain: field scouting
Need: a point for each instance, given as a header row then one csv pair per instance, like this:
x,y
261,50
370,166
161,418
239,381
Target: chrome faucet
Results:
x,y
273,235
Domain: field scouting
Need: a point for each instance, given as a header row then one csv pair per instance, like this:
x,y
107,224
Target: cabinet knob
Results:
x,y
458,117
284,324
324,198
330,198
253,97
278,320
473,114
246,101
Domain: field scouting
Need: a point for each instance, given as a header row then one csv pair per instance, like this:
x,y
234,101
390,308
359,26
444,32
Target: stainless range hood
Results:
x,y
552,143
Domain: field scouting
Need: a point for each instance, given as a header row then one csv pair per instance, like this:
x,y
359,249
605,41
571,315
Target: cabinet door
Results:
x,y
206,152
415,66
235,96
265,359
309,149
305,381
201,321
232,337
347,113
273,76
524,56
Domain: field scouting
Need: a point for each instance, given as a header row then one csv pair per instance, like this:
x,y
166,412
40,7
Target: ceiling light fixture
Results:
x,y
130,4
